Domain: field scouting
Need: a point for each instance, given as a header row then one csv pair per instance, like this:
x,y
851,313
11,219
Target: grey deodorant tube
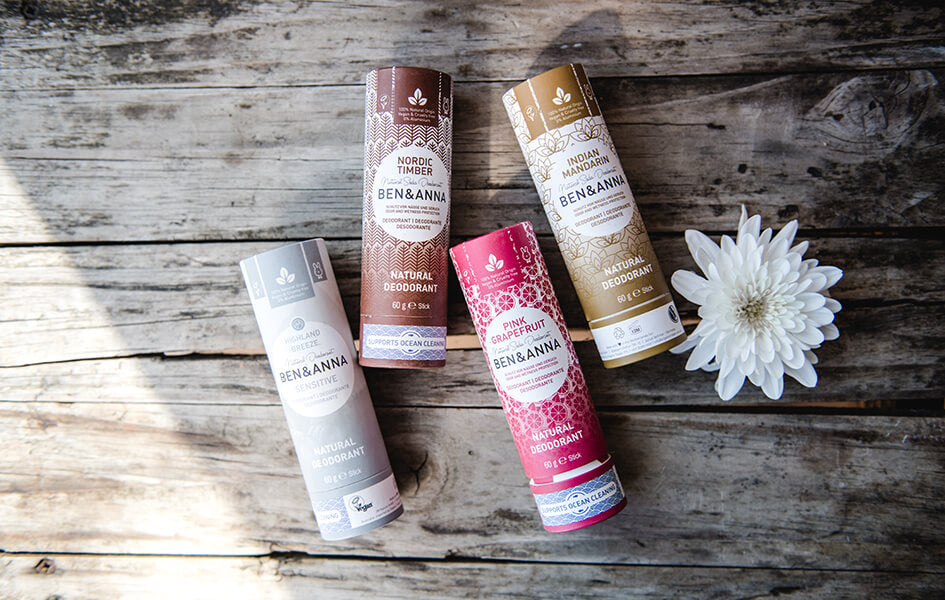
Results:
x,y
326,401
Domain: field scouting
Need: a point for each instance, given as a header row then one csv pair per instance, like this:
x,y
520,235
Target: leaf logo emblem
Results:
x,y
285,277
417,99
384,101
561,97
494,264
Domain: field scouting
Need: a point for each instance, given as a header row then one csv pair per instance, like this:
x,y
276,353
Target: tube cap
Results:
x,y
358,508
580,497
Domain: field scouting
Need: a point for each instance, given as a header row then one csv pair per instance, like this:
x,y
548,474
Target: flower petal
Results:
x,y
757,377
811,300
797,359
751,227
729,385
775,369
698,241
830,332
806,375
832,274
693,287
688,343
786,235
700,356
726,365
811,357
765,348
811,336
773,386
765,238
801,248
821,316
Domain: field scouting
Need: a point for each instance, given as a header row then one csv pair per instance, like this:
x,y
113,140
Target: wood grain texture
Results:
x,y
837,151
146,146
40,577
62,43
106,301
843,374
726,489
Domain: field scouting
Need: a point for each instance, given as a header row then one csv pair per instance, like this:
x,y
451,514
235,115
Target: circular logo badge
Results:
x,y
581,507
589,189
527,353
407,348
410,194
312,367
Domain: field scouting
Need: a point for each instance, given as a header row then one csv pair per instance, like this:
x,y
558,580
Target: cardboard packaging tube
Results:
x,y
325,398
596,222
538,378
406,220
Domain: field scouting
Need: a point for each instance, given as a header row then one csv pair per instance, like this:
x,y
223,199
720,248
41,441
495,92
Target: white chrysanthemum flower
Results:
x,y
764,308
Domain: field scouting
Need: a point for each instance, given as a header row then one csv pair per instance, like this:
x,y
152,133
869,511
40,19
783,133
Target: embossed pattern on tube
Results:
x,y
599,230
325,398
405,233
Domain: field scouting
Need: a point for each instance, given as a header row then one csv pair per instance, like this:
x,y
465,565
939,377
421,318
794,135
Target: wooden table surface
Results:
x,y
146,146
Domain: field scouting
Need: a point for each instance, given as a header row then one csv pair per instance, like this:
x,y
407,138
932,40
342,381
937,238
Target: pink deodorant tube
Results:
x,y
538,377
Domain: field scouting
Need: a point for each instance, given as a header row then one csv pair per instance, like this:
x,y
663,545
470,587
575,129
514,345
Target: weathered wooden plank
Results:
x,y
67,303
40,577
850,369
834,150
705,489
61,43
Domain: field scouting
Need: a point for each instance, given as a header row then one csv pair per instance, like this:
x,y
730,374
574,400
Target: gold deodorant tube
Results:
x,y
600,232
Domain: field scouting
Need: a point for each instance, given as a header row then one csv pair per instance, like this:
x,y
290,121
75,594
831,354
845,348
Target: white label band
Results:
x,y
638,333
338,515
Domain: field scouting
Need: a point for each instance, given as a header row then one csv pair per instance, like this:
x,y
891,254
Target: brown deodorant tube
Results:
x,y
408,141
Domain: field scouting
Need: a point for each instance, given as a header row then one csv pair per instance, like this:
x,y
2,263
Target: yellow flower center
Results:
x,y
753,310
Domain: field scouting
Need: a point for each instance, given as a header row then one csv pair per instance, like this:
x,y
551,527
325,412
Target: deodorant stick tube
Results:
x,y
324,395
408,141
584,190
538,377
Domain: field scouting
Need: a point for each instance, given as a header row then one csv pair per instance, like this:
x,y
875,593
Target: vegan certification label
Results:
x,y
589,189
312,367
358,509
527,354
410,194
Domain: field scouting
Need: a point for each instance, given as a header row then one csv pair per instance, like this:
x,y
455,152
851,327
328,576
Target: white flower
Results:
x,y
764,308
